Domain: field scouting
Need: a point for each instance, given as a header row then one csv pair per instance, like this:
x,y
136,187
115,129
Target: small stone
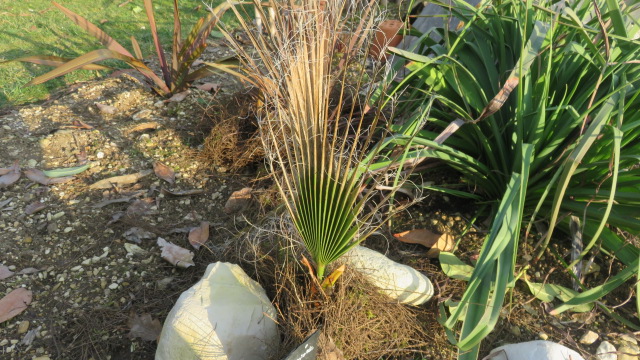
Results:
x,y
103,283
68,229
628,352
606,351
45,357
515,330
628,338
4,342
76,268
27,240
589,338
11,267
32,163
543,336
100,155
23,327
113,286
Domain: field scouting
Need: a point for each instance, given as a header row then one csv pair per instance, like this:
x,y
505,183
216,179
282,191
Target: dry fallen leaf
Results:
x,y
446,242
174,254
144,327
182,192
136,235
424,237
141,207
5,272
5,202
164,172
144,126
107,109
14,303
34,207
238,201
119,180
9,175
27,271
38,176
199,235
179,96
209,87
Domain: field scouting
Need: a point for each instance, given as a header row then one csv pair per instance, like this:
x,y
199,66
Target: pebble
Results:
x,y
32,163
45,357
543,336
628,352
4,342
515,330
589,338
27,240
23,327
628,338
113,286
68,229
606,351
100,155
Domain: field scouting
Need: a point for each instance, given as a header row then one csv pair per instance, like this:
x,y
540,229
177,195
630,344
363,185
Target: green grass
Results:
x,y
36,27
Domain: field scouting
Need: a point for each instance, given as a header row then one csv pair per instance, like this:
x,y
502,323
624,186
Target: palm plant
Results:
x,y
312,124
538,103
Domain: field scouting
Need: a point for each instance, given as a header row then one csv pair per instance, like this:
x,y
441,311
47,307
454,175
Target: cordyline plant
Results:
x,y
176,75
313,124
539,103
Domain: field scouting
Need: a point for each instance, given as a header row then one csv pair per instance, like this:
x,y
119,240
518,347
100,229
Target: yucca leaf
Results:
x,y
148,6
55,61
100,55
94,31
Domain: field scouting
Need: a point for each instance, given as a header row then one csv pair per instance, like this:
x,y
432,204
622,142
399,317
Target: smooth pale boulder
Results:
x,y
398,281
225,316
533,350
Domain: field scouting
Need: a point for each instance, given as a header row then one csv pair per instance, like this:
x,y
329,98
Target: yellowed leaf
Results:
x,y
446,242
330,280
423,237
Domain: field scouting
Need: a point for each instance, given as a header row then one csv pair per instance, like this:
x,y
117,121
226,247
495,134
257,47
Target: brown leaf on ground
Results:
x,y
14,303
141,207
179,96
136,234
175,255
423,237
38,176
107,109
9,175
34,207
5,272
144,126
446,242
144,327
119,180
164,172
182,192
28,271
214,87
199,235
238,201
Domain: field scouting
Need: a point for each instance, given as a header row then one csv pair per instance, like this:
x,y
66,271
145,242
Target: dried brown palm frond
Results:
x,y
315,123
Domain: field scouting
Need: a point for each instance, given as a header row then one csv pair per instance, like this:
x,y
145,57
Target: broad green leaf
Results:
x,y
454,267
548,292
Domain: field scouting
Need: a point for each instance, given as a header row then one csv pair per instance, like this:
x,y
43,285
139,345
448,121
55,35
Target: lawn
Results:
x,y
36,27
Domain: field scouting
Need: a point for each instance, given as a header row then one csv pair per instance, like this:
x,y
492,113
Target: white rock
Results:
x,y
606,351
398,281
533,350
589,338
226,315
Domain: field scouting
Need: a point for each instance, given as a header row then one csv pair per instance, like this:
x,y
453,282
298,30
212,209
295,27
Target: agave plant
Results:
x,y
535,105
176,75
312,124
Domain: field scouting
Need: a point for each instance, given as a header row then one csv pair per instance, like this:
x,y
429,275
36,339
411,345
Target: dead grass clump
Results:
x,y
233,142
360,321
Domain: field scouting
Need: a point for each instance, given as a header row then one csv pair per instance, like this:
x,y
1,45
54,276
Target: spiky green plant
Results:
x,y
308,66
175,75
539,103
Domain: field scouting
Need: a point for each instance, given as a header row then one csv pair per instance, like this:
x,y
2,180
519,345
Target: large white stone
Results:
x,y
225,316
533,350
400,282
